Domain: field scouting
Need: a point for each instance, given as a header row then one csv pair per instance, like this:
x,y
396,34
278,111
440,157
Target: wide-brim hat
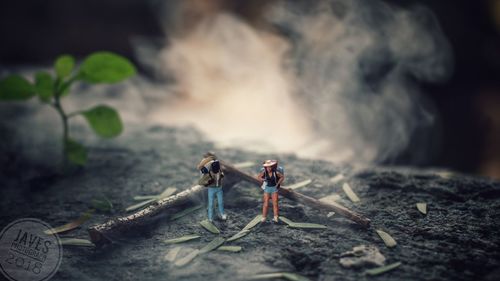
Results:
x,y
270,163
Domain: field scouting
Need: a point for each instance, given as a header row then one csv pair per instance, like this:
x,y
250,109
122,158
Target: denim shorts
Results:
x,y
270,189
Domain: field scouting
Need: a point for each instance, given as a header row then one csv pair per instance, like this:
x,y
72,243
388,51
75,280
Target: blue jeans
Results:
x,y
212,191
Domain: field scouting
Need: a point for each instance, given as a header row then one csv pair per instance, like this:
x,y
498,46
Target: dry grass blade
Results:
x,y
332,198
337,178
102,204
307,225
209,226
422,207
283,275
348,191
388,240
140,205
76,242
144,197
253,223
187,259
233,249
382,269
299,184
172,254
185,212
238,235
214,244
285,220
167,192
72,225
182,239
244,165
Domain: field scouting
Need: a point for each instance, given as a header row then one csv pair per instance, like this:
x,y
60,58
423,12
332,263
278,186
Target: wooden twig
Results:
x,y
301,198
101,233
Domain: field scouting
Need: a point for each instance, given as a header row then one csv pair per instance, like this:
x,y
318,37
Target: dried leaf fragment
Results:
x,y
209,226
233,249
382,269
388,240
185,212
172,254
299,184
187,259
181,239
283,275
422,207
71,225
76,242
214,244
350,193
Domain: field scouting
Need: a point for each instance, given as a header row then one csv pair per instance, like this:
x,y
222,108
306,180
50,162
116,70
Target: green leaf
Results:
x,y
382,269
422,207
214,244
75,152
185,212
16,88
106,67
187,259
182,239
104,120
233,249
209,226
76,242
64,65
388,240
44,85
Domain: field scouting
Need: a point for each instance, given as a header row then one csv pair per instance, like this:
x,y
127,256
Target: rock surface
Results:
x,y
458,239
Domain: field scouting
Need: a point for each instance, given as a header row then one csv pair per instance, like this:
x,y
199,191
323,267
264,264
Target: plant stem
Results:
x,y
64,119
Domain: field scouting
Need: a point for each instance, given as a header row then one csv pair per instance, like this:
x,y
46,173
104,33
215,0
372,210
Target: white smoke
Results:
x,y
331,79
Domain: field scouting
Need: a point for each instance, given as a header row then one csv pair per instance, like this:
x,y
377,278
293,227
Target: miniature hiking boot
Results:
x,y
223,217
275,219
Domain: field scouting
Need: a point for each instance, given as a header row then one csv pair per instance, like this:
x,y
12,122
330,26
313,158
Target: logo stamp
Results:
x,y
29,251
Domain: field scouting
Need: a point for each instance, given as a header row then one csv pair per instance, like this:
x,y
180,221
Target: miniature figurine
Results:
x,y
212,178
271,178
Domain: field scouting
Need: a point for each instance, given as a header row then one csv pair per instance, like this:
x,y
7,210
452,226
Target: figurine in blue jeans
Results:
x,y
212,178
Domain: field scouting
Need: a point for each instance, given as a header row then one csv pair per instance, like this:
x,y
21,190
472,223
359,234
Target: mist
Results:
x,y
333,80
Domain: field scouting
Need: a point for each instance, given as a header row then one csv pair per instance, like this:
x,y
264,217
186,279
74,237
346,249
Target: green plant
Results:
x,y
99,67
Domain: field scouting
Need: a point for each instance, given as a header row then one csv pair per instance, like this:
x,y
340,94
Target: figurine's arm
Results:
x,y
281,179
260,177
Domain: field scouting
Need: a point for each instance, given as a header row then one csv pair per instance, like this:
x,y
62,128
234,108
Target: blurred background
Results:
x,y
401,82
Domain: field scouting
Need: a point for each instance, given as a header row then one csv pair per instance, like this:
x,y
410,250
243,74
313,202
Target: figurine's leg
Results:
x,y
220,201
275,205
265,205
211,192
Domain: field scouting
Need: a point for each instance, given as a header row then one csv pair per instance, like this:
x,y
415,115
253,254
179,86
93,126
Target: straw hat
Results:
x,y
270,163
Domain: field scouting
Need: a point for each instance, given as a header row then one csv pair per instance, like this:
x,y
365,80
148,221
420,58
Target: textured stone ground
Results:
x,y
457,240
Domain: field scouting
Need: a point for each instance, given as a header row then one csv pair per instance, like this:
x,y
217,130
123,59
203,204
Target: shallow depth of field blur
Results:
x,y
363,82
